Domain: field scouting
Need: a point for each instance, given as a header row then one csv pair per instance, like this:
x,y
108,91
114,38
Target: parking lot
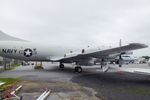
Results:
x,y
91,84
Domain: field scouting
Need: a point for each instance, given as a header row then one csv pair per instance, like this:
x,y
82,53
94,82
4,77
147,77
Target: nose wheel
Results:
x,y
78,69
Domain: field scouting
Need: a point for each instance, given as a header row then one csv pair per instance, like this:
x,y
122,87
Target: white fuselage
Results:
x,y
28,51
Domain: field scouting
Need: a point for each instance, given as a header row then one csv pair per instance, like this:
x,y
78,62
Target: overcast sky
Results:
x,y
78,23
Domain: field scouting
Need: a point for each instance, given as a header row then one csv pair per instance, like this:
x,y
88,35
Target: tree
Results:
x,y
146,57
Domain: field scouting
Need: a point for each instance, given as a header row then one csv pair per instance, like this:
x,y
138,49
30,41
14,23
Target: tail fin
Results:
x,y
4,37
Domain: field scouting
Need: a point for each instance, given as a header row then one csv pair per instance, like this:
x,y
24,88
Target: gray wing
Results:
x,y
101,53
130,47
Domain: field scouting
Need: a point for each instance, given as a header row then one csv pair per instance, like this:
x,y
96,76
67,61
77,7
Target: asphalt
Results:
x,y
112,85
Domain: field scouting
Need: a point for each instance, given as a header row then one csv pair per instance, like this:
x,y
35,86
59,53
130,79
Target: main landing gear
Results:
x,y
78,69
104,65
61,66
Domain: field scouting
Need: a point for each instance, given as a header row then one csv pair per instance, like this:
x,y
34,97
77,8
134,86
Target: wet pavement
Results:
x,y
90,83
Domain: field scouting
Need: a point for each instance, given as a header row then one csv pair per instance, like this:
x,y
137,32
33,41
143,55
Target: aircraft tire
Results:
x,y
61,65
78,69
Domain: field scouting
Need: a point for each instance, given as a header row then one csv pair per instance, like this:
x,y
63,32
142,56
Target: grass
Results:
x,y
136,90
9,82
13,66
141,91
1,69
38,67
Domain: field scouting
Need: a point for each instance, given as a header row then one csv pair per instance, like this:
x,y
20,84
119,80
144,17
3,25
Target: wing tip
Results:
x,y
140,45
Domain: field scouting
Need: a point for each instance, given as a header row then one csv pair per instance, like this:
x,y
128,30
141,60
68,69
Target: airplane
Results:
x,y
15,48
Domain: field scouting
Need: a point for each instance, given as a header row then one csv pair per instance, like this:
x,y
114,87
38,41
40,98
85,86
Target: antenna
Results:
x,y
120,43
120,57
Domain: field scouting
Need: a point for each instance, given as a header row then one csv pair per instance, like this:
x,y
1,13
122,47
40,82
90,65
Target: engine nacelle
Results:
x,y
87,62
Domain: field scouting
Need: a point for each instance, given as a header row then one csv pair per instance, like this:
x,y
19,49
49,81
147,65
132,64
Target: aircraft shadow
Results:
x,y
112,78
66,70
108,77
113,86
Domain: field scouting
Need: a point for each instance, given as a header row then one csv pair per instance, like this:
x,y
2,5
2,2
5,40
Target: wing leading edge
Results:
x,y
132,46
102,53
